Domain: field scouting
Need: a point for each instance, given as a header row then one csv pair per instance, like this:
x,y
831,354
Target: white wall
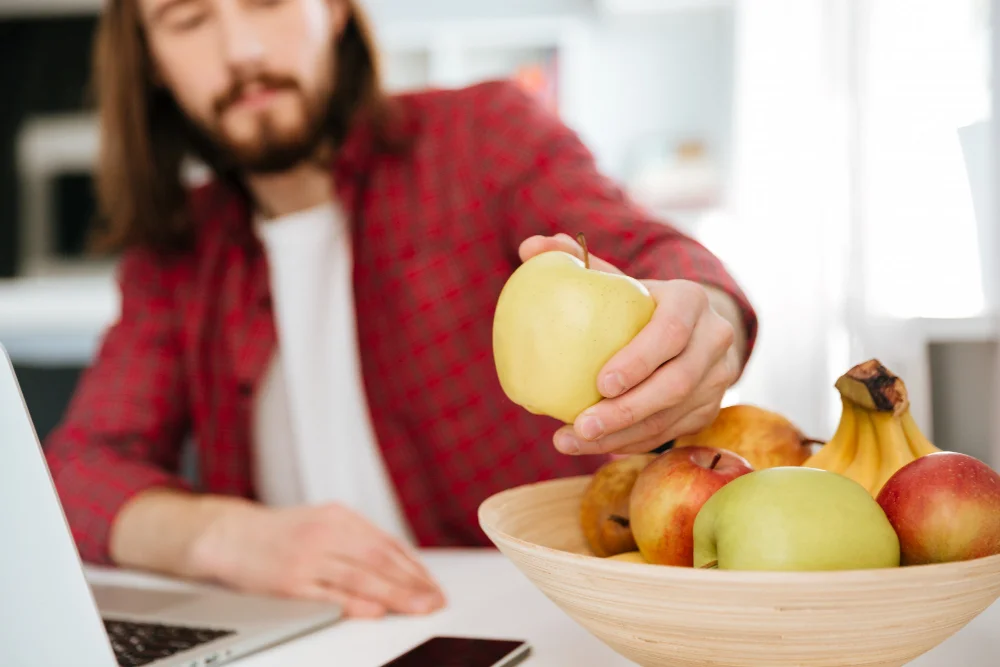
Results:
x,y
423,10
666,75
658,76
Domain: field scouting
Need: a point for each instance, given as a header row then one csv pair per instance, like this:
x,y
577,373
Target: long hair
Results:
x,y
145,136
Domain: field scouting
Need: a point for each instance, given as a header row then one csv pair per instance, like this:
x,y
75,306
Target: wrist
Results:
x,y
727,308
217,523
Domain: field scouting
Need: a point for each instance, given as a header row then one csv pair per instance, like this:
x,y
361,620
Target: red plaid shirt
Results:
x,y
436,235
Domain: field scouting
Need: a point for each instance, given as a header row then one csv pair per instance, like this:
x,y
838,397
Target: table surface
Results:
x,y
489,597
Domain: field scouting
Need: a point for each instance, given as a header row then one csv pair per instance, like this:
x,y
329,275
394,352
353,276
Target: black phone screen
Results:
x,y
461,652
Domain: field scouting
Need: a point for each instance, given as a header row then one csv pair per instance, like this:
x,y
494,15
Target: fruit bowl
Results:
x,y
678,616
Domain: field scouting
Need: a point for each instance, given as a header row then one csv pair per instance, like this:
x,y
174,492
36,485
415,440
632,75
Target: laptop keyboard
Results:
x,y
137,644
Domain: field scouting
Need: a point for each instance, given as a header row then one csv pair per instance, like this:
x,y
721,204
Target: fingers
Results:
x,y
370,547
648,435
353,607
680,308
649,412
669,385
696,420
418,575
389,556
651,433
615,445
536,245
343,556
386,558
369,584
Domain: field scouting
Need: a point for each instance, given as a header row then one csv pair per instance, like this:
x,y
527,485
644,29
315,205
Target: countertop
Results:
x,y
489,597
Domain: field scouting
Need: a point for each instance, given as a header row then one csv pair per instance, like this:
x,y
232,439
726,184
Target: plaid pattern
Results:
x,y
436,235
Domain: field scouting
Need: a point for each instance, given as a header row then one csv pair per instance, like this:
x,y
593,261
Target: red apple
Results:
x,y
669,492
945,507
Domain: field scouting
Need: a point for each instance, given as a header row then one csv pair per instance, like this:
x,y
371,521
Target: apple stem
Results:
x,y
710,565
582,240
715,461
620,520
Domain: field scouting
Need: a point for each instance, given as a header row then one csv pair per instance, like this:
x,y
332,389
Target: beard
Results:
x,y
272,146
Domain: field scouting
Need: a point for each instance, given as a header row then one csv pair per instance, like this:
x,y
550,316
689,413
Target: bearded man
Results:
x,y
317,317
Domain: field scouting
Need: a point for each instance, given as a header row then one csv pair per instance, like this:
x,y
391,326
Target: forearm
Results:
x,y
162,530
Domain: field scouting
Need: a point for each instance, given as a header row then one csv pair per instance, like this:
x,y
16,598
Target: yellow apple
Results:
x,y
557,323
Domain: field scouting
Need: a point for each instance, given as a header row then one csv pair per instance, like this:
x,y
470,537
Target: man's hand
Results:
x,y
326,553
670,379
323,553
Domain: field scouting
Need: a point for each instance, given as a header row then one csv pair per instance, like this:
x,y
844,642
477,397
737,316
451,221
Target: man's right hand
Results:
x,y
328,552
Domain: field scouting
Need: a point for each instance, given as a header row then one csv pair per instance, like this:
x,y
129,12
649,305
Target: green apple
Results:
x,y
794,518
557,323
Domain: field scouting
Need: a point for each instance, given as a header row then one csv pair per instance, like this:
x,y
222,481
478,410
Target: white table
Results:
x,y
489,597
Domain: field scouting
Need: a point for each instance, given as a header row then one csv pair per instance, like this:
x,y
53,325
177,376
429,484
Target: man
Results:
x,y
318,316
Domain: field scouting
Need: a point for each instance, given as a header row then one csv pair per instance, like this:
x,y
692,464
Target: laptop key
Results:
x,y
137,644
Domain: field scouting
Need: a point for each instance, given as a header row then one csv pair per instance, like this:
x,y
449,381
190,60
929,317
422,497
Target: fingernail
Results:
x,y
614,384
424,604
567,443
591,428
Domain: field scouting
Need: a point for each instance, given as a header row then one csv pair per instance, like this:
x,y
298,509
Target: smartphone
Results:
x,y
463,652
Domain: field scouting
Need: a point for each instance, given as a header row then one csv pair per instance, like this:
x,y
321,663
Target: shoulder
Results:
x,y
490,107
475,97
495,129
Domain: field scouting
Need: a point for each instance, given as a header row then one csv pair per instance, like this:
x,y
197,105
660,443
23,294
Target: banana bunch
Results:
x,y
877,434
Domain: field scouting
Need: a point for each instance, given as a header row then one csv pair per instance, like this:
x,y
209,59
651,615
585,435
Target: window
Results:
x,y
925,86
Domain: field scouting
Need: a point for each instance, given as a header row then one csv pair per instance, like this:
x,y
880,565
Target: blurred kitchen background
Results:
x,y
835,153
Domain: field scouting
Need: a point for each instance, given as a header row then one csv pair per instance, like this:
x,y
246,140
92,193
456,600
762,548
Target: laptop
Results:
x,y
52,614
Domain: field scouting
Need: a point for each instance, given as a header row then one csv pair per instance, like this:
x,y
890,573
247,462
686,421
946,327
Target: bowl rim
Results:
x,y
896,575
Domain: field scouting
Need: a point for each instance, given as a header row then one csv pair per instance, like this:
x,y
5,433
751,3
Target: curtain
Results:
x,y
787,231
856,214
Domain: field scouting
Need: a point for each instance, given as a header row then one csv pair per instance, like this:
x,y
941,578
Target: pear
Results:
x,y
764,438
629,557
604,508
557,323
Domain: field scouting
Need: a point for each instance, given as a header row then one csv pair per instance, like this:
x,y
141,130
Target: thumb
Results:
x,y
536,245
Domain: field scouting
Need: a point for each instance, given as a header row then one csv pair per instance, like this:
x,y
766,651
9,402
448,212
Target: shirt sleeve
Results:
x,y
124,427
547,182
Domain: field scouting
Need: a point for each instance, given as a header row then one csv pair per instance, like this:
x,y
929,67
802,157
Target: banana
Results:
x,y
838,453
877,434
919,444
893,447
864,469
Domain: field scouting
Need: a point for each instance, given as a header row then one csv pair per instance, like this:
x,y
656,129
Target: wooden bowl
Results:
x,y
659,615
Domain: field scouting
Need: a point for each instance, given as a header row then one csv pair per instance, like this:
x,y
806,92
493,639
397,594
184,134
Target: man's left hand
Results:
x,y
670,379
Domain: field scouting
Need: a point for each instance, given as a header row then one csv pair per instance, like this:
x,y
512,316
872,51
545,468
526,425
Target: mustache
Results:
x,y
236,90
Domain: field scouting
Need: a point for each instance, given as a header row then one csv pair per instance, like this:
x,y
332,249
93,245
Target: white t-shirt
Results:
x,y
313,440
